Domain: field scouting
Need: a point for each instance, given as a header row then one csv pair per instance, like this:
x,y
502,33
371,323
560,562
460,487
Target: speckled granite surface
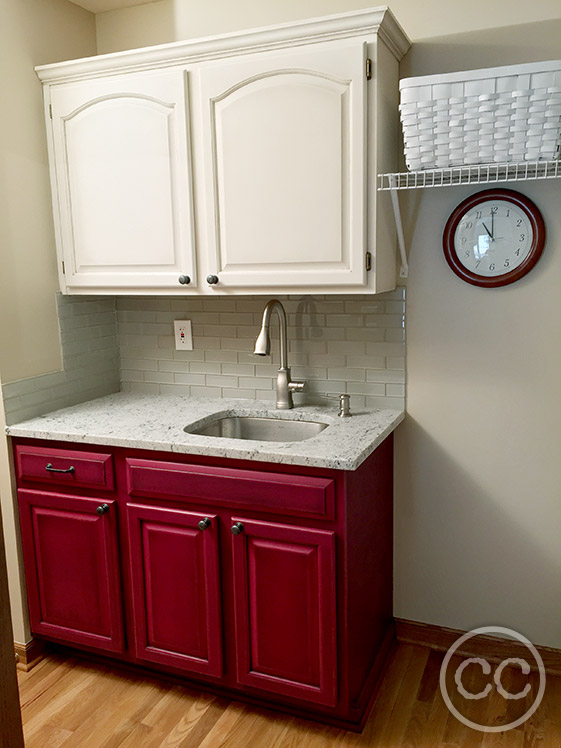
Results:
x,y
157,422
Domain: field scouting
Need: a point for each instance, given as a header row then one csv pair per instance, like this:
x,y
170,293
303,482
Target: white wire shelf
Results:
x,y
473,174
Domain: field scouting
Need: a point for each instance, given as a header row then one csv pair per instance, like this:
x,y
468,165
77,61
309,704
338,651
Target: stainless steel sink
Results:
x,y
260,429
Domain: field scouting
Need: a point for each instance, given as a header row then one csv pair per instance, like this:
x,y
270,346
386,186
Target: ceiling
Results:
x,y
98,6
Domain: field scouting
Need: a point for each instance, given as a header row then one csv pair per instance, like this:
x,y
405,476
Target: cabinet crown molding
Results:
x,y
369,21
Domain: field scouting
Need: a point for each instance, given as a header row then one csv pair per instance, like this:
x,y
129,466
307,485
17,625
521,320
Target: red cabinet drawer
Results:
x,y
279,492
77,469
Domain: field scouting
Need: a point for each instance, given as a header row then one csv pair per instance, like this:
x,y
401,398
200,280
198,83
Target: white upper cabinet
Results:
x,y
244,163
285,162
122,181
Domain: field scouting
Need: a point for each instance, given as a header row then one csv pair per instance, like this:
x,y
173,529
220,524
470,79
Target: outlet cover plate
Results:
x,y
183,335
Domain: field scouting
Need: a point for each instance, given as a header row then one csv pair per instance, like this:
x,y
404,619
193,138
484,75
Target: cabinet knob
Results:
x,y
212,279
184,280
102,509
237,527
204,524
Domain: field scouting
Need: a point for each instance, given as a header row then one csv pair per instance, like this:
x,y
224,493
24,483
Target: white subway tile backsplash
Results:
x,y
222,356
395,390
159,376
366,388
339,344
239,393
385,375
239,370
206,367
181,378
90,360
221,380
346,373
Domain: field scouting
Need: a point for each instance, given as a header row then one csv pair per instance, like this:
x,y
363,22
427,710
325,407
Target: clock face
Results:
x,y
494,238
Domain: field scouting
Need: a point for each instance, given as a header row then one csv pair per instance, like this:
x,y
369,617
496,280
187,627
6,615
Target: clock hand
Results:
x,y
492,227
487,230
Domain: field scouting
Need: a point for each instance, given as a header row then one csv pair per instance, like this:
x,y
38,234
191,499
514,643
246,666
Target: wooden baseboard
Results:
x,y
28,655
492,648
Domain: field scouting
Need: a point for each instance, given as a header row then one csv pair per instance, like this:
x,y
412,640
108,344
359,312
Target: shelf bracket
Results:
x,y
404,269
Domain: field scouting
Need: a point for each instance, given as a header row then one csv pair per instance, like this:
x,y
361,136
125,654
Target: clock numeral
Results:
x,y
508,213
507,263
492,266
518,251
468,225
466,253
519,223
477,264
494,211
478,214
464,239
522,237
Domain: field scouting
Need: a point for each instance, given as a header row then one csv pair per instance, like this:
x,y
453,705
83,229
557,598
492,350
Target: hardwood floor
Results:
x,y
68,703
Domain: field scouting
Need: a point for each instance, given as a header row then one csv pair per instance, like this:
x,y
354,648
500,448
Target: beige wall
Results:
x,y
478,477
173,20
32,32
478,499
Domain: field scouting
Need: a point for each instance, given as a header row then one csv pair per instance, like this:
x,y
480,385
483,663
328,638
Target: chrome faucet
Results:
x,y
285,387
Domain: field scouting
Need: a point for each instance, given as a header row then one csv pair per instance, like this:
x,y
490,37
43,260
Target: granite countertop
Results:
x,y
157,422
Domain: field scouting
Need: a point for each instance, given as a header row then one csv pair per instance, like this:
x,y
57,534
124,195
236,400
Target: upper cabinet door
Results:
x,y
122,176
285,164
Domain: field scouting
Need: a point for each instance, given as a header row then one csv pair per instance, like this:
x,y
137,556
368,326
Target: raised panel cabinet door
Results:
x,y
285,162
285,609
122,180
174,564
72,568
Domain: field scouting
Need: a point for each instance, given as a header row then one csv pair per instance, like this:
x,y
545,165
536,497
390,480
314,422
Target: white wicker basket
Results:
x,y
495,115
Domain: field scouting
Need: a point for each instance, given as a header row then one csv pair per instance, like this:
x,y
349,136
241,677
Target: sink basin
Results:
x,y
260,428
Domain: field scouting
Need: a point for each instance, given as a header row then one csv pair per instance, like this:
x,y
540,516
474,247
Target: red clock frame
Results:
x,y
534,217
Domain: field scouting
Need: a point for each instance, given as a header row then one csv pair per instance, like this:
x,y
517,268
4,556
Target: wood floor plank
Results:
x,y
393,731
385,699
127,700
69,703
435,725
204,725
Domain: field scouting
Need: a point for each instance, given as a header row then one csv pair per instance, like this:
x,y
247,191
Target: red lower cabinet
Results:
x,y
72,568
174,565
268,583
285,611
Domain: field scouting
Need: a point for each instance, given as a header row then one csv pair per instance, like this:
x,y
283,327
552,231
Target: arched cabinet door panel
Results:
x,y
285,168
70,547
123,180
285,609
176,593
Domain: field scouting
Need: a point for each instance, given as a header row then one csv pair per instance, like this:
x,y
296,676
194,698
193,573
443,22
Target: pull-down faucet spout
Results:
x,y
285,387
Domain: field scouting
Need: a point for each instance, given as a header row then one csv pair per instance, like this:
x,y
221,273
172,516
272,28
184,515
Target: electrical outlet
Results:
x,y
183,335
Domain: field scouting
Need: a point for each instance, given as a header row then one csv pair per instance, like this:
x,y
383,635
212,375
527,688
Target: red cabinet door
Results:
x,y
72,567
284,586
175,588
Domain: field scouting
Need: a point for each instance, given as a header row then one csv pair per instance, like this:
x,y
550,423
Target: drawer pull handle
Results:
x,y
204,524
102,509
51,469
237,527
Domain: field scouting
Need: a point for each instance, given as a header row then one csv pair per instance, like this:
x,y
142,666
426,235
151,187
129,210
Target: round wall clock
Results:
x,y
494,237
